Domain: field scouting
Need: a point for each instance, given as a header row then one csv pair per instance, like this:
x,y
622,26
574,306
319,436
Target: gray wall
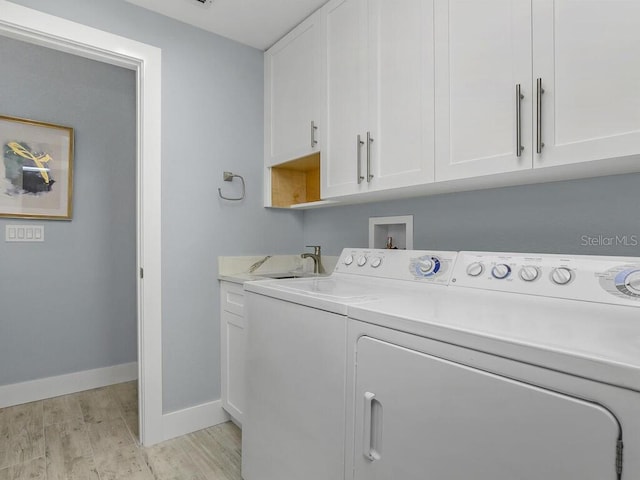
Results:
x,y
69,304
546,218
212,121
212,110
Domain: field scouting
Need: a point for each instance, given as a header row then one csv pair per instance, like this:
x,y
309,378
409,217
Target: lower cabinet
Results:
x,y
232,338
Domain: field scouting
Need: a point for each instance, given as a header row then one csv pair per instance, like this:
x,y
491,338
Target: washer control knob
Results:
x,y
529,273
475,269
561,276
501,271
628,282
348,260
426,266
376,262
362,261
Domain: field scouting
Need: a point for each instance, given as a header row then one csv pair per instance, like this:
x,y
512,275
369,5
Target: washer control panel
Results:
x,y
590,278
413,265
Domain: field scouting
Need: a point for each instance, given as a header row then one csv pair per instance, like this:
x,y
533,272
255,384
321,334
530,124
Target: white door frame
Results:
x,y
39,28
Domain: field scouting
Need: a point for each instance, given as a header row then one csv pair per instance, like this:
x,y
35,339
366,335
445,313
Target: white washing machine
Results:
x,y
296,359
526,367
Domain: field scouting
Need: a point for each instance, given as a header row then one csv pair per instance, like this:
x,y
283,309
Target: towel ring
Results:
x,y
228,177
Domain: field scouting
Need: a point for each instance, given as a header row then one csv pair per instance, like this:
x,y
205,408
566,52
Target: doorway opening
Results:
x,y
35,27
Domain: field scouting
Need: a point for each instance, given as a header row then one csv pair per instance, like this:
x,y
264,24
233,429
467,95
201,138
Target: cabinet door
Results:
x,y
232,348
293,94
419,416
401,101
233,336
587,55
345,23
483,50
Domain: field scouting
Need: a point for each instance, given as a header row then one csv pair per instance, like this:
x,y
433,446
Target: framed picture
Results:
x,y
36,177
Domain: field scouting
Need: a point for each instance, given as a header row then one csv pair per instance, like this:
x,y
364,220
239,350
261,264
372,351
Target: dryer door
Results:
x,y
421,417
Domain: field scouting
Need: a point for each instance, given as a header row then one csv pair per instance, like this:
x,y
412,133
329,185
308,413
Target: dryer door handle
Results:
x,y
372,435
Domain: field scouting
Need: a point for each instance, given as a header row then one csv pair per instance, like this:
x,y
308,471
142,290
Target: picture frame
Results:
x,y
36,173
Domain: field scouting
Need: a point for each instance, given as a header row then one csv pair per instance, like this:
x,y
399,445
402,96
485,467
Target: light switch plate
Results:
x,y
24,233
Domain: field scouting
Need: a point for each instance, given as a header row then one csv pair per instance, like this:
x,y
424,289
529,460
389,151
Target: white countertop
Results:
x,y
236,269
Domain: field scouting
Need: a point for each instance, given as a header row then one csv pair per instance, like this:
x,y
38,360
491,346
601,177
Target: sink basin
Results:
x,y
284,275
281,275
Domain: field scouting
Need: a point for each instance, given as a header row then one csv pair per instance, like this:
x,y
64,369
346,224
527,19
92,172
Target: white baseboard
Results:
x,y
24,392
193,419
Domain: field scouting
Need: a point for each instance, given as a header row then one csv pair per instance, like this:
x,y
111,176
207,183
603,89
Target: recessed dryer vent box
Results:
x,y
399,229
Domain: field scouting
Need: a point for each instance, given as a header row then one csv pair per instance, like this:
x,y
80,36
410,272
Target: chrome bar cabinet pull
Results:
x,y
369,142
519,97
539,92
314,127
360,143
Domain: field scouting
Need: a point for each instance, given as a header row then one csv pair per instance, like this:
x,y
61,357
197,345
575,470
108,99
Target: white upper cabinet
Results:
x,y
293,94
345,61
483,52
587,55
379,75
401,93
576,72
444,95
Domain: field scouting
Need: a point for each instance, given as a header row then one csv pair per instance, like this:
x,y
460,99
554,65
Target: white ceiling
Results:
x,y
258,23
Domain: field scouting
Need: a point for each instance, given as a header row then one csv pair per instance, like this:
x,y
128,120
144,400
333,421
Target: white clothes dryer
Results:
x,y
526,367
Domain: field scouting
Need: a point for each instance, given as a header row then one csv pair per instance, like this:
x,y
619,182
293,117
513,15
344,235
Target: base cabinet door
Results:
x,y
418,416
293,94
586,55
232,349
401,94
483,52
234,338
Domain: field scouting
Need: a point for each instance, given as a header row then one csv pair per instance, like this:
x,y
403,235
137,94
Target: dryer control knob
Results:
x,y
561,276
628,282
632,282
501,271
362,261
475,269
348,260
376,262
529,273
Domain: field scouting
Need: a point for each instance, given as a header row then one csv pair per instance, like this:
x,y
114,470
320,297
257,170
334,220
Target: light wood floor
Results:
x,y
92,435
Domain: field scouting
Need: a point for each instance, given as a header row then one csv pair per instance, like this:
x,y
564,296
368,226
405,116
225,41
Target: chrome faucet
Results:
x,y
317,262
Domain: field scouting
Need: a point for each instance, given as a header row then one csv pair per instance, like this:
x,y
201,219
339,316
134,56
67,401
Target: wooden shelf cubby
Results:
x,y
295,182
